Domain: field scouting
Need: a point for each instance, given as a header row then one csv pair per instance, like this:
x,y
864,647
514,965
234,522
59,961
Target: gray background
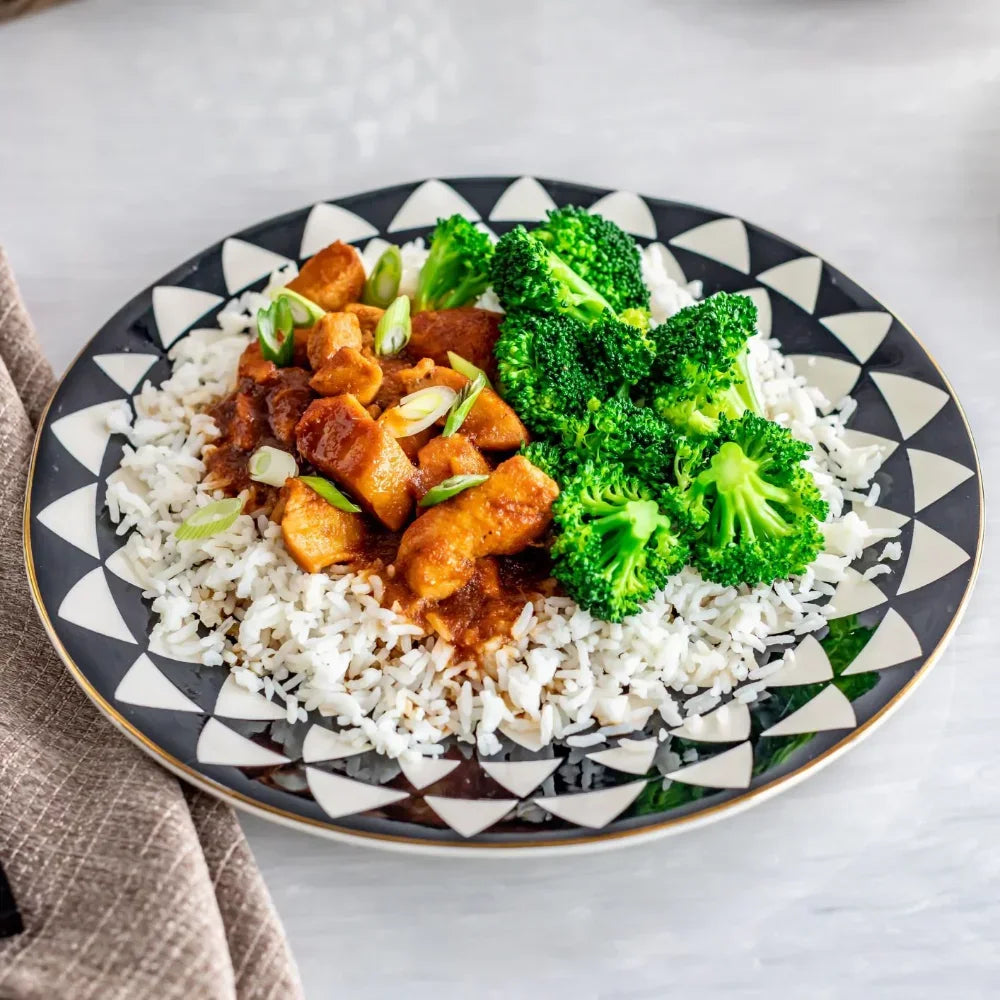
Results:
x,y
132,134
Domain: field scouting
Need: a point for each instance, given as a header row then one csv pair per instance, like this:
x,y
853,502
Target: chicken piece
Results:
x,y
368,317
337,435
504,515
412,443
491,424
247,425
287,398
444,457
349,371
469,332
316,533
253,364
332,278
332,332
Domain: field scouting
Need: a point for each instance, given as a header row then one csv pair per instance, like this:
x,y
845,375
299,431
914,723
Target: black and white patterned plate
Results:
x,y
237,745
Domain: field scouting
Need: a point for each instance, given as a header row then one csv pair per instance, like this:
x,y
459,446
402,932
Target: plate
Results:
x,y
238,745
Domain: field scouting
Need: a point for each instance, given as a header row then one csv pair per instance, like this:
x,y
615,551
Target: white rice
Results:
x,y
239,600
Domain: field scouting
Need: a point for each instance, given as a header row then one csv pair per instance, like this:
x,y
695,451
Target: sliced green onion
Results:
x,y
210,520
449,488
419,410
464,402
305,312
392,333
330,493
274,332
466,368
382,285
272,466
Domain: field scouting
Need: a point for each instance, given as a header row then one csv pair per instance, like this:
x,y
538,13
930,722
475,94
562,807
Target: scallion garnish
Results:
x,y
392,333
210,520
449,488
466,368
330,493
464,402
416,412
382,285
272,466
274,332
305,312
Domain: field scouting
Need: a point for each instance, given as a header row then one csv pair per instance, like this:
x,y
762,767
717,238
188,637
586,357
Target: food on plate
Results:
x,y
528,485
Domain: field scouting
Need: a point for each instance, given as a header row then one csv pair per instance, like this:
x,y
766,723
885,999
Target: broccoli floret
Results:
x,y
457,269
620,353
615,545
759,507
527,275
600,252
555,461
700,372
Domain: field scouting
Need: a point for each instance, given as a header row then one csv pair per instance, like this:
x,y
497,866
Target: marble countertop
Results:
x,y
134,134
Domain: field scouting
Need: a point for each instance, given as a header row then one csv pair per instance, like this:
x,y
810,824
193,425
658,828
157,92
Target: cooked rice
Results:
x,y
323,642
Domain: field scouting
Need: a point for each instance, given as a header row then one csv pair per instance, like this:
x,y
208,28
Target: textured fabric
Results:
x,y
128,885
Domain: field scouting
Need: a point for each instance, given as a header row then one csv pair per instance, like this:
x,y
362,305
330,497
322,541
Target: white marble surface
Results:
x,y
133,134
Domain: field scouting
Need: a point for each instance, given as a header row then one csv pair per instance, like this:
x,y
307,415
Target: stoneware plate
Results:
x,y
237,745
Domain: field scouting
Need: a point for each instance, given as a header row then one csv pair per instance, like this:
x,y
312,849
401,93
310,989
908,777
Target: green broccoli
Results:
x,y
758,507
615,545
457,269
700,372
555,461
600,252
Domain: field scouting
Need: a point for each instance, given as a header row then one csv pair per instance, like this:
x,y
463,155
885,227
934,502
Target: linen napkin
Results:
x,y
125,884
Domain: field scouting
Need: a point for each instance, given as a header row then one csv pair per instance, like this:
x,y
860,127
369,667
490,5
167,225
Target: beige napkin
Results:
x,y
128,885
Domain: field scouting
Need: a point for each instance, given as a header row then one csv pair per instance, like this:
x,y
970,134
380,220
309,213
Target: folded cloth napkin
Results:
x,y
128,885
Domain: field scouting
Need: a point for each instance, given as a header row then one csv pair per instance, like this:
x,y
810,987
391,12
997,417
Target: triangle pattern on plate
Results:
x,y
862,439
73,518
834,377
145,685
426,770
85,434
879,519
830,709
525,200
237,702
520,776
797,280
467,817
431,201
860,332
630,756
118,564
243,263
932,556
218,744
934,476
627,210
328,223
530,739
726,724
89,605
340,796
892,642
913,403
724,240
325,744
125,369
806,664
762,300
175,309
730,769
855,594
592,809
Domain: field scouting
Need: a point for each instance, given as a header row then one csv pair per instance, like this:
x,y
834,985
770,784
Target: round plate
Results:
x,y
891,628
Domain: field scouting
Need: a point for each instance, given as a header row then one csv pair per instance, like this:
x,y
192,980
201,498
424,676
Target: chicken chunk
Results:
x,y
332,278
368,317
349,371
504,515
444,457
317,534
469,332
491,423
288,396
337,435
253,364
332,332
